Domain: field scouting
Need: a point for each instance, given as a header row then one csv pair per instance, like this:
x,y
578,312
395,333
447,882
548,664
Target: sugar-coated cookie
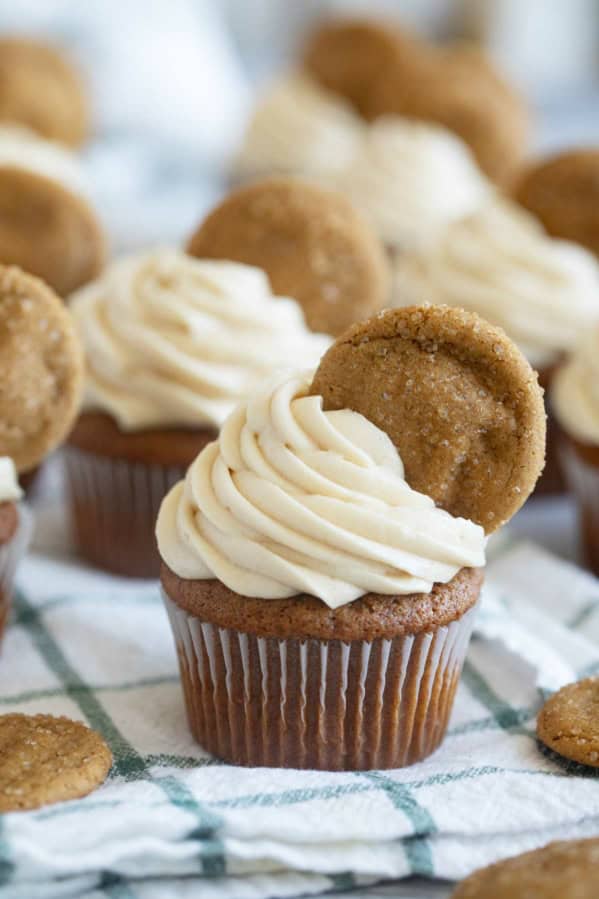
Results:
x,y
568,723
311,243
456,396
45,759
41,369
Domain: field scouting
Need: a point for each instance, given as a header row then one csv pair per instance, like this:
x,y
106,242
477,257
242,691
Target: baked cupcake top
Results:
x,y
499,263
172,341
9,486
297,127
23,149
411,179
575,391
292,499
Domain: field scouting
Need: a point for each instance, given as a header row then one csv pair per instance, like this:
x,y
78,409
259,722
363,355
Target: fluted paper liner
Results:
x,y
114,504
11,554
583,480
318,704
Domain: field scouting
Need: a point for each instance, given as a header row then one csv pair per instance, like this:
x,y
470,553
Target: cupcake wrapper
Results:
x,y
114,506
318,704
583,481
11,554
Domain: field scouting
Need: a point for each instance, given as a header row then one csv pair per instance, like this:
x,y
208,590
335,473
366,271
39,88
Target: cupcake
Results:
x,y
41,374
40,89
574,400
297,128
47,226
171,344
322,559
499,263
15,528
410,180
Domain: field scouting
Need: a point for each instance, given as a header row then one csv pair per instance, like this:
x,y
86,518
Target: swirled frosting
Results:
x,y
9,485
575,391
411,179
297,128
21,148
498,262
172,341
291,499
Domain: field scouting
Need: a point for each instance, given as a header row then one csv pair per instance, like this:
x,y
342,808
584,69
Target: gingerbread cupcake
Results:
x,y
411,180
39,88
171,344
41,373
500,264
322,558
311,242
297,128
574,400
47,226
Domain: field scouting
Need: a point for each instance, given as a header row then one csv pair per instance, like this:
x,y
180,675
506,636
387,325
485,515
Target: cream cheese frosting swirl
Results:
x,y
575,391
411,179
298,128
173,341
9,485
22,149
291,499
500,263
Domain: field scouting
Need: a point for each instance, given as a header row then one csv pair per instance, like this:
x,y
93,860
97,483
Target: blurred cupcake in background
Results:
x,y
297,128
574,399
41,89
500,263
47,225
15,530
410,180
171,344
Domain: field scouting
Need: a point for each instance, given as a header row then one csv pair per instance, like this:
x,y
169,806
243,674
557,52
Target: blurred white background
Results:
x,y
172,80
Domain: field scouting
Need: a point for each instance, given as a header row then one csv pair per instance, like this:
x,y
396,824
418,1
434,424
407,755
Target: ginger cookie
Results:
x,y
350,57
458,87
311,243
564,870
568,723
47,230
41,369
39,88
45,759
456,396
563,192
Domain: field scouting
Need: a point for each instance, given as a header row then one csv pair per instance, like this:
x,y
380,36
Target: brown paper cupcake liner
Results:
x,y
114,505
583,480
11,554
318,704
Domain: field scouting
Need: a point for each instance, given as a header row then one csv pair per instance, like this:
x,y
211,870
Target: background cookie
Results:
x,y
456,396
566,870
351,56
48,231
568,723
312,244
40,89
44,759
41,369
458,87
563,192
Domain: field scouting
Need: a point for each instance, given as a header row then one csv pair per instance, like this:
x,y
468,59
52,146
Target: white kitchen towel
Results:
x,y
172,822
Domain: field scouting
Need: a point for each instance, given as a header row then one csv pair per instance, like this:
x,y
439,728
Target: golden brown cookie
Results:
x,y
456,396
312,244
40,88
458,87
41,369
44,759
568,723
48,231
350,57
563,192
566,870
